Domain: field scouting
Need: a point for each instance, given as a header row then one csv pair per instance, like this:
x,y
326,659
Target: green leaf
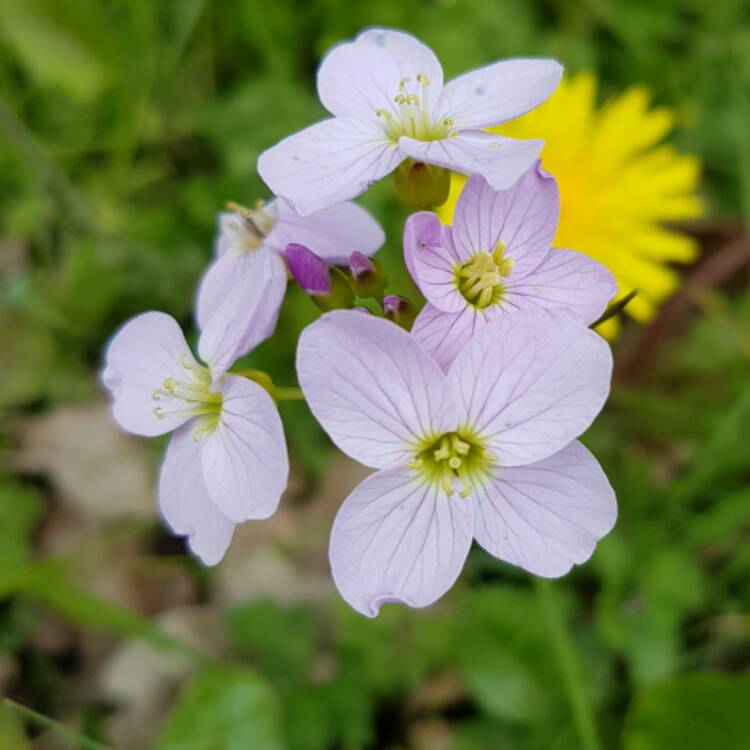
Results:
x,y
12,735
19,510
692,712
223,708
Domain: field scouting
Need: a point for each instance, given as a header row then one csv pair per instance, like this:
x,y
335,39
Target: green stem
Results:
x,y
288,394
567,662
615,308
44,721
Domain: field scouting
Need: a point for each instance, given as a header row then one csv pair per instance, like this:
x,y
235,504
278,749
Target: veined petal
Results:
x,y
445,334
499,92
244,460
531,382
433,261
328,163
565,280
145,352
398,538
333,234
184,500
219,277
248,313
523,217
501,161
548,516
372,387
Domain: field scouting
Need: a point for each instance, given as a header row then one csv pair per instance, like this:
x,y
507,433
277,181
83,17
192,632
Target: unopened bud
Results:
x,y
327,286
422,186
399,310
368,276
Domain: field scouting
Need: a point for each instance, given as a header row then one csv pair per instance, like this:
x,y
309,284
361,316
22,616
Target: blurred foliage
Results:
x,y
124,128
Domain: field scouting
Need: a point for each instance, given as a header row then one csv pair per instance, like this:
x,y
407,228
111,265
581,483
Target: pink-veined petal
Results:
x,y
328,163
146,351
245,463
499,92
333,234
531,382
547,516
184,500
501,161
523,217
372,387
421,228
565,280
398,538
248,313
444,334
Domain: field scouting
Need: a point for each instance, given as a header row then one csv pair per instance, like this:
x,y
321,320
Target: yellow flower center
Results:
x,y
453,457
480,280
413,118
250,227
191,397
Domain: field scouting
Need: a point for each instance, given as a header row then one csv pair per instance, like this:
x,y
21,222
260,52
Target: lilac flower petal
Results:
x,y
501,161
307,269
332,233
397,538
360,265
523,217
140,357
444,334
248,313
421,228
530,383
548,516
372,387
234,237
219,277
184,500
565,280
328,163
245,463
499,92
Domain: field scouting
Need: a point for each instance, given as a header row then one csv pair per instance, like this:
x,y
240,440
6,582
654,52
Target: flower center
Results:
x,y
458,456
413,117
191,396
249,227
480,280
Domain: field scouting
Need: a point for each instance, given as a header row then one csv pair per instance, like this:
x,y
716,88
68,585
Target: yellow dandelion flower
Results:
x,y
618,186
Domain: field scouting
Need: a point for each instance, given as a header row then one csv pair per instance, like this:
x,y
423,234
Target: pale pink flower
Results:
x,y
226,461
386,94
484,451
495,260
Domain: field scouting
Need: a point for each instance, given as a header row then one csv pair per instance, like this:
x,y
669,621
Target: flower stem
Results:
x,y
568,664
288,394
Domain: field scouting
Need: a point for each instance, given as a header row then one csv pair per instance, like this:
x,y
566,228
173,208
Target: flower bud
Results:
x,y
421,186
327,286
399,310
368,276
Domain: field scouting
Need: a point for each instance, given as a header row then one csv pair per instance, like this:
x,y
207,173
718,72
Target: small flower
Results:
x,y
496,260
247,235
385,92
326,285
226,461
484,451
621,190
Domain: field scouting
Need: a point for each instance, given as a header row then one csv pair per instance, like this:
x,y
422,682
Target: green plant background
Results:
x,y
124,127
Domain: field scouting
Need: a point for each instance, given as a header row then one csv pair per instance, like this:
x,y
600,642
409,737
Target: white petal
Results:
x,y
499,92
248,313
548,516
184,500
565,280
501,161
245,463
328,163
444,334
421,228
523,217
140,357
372,387
333,234
397,538
531,382
219,277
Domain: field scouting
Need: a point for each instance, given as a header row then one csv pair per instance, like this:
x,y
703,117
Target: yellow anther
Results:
x,y
384,113
423,80
169,385
158,413
454,462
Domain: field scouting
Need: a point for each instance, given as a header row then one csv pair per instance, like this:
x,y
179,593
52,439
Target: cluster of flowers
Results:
x,y
469,410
